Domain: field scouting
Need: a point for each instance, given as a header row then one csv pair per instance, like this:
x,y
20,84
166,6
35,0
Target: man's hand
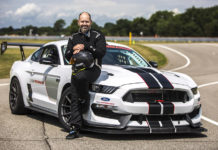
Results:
x,y
77,48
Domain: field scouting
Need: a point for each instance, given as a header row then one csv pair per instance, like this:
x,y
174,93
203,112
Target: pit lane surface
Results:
x,y
38,131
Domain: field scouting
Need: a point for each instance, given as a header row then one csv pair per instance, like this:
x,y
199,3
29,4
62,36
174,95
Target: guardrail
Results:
x,y
125,38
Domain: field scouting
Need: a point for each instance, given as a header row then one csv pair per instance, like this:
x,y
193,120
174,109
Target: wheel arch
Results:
x,y
22,86
65,87
20,106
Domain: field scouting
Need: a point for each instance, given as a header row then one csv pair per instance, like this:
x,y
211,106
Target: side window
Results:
x,y
36,55
64,49
51,52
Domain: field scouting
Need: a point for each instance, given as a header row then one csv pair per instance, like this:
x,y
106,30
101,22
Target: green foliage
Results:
x,y
109,29
46,31
95,26
211,28
59,26
73,27
140,25
157,19
123,27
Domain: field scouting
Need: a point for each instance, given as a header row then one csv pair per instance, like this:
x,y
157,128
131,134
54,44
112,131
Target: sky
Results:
x,y
18,13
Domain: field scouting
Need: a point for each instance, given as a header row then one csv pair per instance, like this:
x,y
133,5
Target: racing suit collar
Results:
x,y
87,34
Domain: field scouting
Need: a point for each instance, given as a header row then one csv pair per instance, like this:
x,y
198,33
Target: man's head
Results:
x,y
84,22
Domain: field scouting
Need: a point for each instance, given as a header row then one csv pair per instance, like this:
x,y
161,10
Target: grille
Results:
x,y
153,95
141,117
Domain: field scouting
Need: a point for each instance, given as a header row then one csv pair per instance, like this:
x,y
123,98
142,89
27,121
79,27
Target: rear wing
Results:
x,y
5,44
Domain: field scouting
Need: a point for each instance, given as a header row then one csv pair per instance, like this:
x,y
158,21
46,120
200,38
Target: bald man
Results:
x,y
86,39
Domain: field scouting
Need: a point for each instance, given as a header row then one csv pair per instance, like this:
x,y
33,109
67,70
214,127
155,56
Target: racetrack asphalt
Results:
x,y
37,131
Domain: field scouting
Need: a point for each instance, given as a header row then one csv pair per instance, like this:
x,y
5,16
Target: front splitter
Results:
x,y
145,130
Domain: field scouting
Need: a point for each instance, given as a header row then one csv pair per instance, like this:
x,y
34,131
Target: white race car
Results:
x,y
130,97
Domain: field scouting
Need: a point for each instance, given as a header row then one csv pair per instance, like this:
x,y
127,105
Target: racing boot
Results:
x,y
74,133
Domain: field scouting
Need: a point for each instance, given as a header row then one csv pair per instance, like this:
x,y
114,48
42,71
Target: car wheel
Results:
x,y
64,109
16,98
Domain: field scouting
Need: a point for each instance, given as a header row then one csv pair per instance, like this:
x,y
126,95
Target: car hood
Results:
x,y
112,75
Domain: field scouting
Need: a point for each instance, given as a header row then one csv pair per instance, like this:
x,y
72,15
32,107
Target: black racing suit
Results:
x,y
95,43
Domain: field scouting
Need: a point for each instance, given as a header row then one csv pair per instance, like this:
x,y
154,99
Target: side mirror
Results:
x,y
47,61
153,64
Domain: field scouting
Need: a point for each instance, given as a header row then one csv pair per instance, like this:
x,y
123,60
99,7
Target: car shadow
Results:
x,y
44,118
54,121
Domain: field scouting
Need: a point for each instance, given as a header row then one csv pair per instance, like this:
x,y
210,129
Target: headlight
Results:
x,y
102,89
195,90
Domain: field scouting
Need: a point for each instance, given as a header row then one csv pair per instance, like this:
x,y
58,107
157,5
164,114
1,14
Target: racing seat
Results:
x,y
54,56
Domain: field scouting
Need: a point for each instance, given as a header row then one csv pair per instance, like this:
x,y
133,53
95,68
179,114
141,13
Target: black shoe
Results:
x,y
72,135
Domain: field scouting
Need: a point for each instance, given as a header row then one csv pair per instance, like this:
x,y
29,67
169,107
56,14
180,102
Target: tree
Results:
x,y
157,17
139,25
123,27
59,26
191,29
73,28
96,27
46,31
162,28
9,30
175,26
109,29
26,30
211,28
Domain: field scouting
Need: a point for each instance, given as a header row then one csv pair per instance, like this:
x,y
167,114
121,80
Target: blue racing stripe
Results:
x,y
149,80
161,78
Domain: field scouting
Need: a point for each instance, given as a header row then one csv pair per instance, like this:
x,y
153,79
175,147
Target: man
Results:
x,y
86,39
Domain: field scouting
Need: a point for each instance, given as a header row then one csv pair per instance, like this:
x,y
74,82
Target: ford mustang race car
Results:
x,y
131,96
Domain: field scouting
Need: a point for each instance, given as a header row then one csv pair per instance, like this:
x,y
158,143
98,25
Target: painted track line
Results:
x,y
207,84
188,61
209,120
203,117
4,84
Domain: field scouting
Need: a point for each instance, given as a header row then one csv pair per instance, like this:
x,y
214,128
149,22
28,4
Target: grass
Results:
x,y
8,58
13,54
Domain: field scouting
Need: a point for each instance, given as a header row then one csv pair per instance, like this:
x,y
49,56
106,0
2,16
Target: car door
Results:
x,y
45,79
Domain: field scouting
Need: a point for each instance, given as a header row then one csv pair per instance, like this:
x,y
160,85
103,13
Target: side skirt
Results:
x,y
42,111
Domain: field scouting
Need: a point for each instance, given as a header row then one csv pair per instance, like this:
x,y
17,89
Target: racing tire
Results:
x,y
16,98
64,109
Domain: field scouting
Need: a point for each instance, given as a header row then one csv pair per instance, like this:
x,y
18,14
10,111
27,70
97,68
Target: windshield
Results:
x,y
118,56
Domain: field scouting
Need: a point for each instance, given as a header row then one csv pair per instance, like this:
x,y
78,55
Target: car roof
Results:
x,y
64,42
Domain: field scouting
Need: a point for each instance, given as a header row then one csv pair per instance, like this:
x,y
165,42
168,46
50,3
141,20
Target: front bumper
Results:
x,y
111,114
147,124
